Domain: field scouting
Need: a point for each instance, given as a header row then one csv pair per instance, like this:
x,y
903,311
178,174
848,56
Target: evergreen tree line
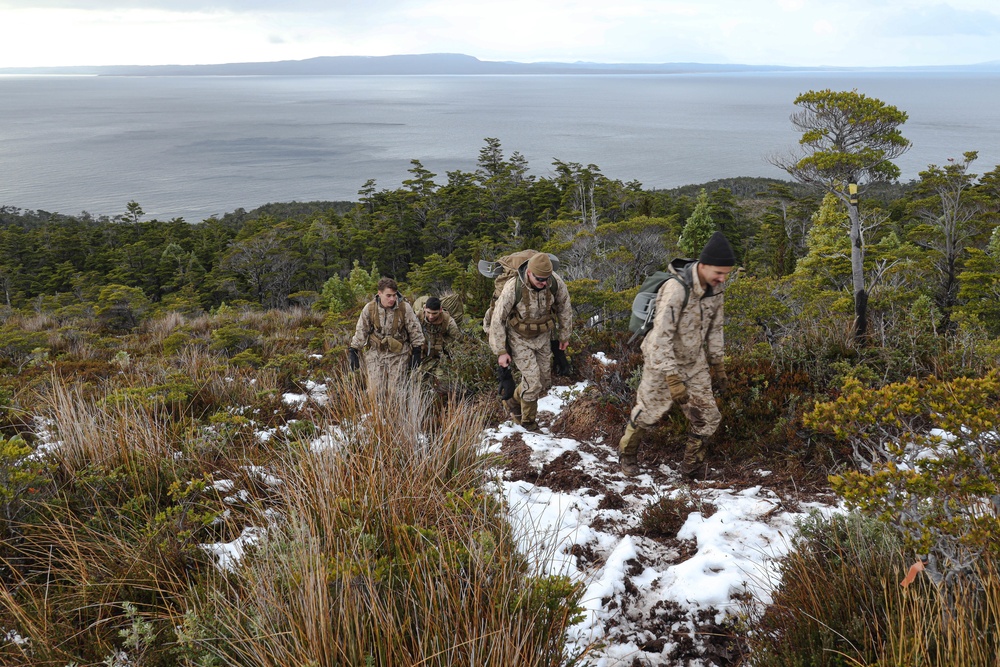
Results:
x,y
930,242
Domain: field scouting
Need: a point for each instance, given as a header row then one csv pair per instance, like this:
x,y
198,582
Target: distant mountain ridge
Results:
x,y
446,63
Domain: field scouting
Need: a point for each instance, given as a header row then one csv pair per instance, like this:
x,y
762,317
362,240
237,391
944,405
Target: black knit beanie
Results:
x,y
718,252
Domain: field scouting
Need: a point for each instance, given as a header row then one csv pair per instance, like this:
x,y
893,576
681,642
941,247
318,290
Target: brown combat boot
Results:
x,y
514,406
693,466
529,411
628,450
629,464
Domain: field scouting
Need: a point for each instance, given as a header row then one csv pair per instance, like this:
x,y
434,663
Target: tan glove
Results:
x,y
719,377
678,392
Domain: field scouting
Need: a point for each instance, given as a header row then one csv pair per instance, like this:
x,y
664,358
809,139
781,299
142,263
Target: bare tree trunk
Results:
x,y
858,273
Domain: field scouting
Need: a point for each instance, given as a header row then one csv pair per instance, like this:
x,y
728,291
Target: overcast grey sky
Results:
x,y
774,32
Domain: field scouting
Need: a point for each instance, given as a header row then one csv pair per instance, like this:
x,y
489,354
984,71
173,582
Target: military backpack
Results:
x,y
644,304
503,270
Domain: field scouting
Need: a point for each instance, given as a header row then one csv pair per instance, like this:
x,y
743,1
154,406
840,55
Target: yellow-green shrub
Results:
x,y
929,463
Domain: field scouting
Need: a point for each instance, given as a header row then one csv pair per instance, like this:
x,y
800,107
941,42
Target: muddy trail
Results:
x,y
642,545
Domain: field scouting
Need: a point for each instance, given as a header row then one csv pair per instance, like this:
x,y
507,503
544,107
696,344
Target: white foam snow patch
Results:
x,y
263,476
13,637
335,439
223,485
544,523
241,496
315,392
558,397
228,554
604,359
45,433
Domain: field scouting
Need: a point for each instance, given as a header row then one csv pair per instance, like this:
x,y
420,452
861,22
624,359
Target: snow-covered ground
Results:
x,y
648,601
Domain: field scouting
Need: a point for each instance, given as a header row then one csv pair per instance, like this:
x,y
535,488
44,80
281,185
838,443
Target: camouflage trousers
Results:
x,y
653,399
385,369
533,358
433,368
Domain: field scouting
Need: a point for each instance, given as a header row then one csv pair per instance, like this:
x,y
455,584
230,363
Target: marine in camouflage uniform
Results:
x,y
390,335
440,329
524,315
682,355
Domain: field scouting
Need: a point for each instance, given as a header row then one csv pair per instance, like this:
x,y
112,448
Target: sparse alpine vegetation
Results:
x,y
190,476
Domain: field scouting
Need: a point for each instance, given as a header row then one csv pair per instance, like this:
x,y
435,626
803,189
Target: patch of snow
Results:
x,y
44,429
241,496
559,397
315,392
604,359
263,476
228,554
629,578
223,485
13,637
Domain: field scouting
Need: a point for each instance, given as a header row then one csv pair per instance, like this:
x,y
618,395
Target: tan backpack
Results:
x,y
505,269
452,303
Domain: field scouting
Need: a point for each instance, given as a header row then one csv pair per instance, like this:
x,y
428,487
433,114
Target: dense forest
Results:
x,y
155,352
930,248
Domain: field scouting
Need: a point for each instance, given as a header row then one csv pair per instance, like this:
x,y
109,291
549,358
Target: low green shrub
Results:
x,y
232,339
927,453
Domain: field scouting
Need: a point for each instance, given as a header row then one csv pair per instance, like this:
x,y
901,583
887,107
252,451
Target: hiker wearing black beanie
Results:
x,y
683,356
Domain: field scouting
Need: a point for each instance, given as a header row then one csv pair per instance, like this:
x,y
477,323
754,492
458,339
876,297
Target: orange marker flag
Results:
x,y
912,573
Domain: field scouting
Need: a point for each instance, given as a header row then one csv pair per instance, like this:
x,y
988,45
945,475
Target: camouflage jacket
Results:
x,y
684,334
385,328
438,336
533,306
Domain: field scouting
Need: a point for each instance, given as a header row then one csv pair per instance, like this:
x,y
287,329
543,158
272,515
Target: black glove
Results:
x,y
353,359
415,358
562,366
506,379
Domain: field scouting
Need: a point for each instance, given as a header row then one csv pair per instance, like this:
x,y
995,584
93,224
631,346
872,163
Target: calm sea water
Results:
x,y
197,146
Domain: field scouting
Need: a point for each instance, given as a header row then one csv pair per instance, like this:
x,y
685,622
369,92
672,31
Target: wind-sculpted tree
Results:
x,y
848,141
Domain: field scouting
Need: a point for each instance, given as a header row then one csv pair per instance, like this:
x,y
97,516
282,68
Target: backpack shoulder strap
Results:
x,y
372,307
519,287
687,292
644,304
397,317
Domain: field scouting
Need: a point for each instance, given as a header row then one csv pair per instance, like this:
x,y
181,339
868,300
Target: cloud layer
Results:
x,y
779,32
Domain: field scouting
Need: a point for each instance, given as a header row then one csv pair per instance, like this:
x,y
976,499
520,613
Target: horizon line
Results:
x,y
529,64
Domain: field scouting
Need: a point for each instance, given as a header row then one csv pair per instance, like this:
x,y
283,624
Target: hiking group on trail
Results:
x,y
678,313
